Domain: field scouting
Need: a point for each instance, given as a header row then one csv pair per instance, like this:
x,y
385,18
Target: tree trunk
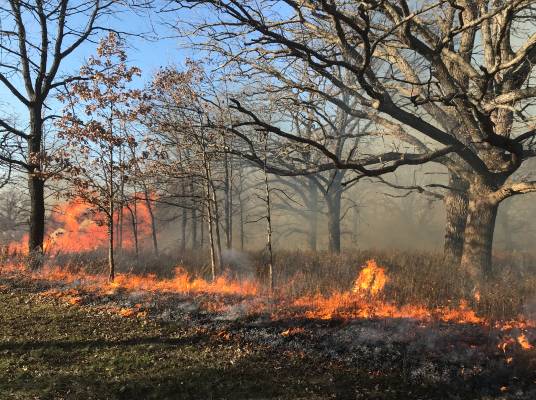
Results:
x,y
313,217
269,231
478,241
111,260
228,204
211,236
134,222
36,187
111,210
242,228
202,234
37,220
333,201
217,227
456,202
241,205
355,224
153,222
194,229
183,230
193,204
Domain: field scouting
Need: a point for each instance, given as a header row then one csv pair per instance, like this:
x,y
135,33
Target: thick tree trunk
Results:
x,y
37,220
334,221
456,202
36,187
478,242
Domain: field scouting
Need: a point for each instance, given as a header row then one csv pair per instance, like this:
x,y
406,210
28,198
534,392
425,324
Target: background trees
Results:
x,y
454,78
311,97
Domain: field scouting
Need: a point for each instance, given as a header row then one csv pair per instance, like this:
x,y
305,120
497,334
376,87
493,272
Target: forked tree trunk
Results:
x,y
478,241
456,202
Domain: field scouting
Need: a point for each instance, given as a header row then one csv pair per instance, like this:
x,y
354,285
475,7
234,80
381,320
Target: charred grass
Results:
x,y
52,348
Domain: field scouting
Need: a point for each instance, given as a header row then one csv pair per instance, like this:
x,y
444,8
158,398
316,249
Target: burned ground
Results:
x,y
62,341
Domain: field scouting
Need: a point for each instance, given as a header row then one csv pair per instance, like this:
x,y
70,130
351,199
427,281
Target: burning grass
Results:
x,y
77,337
373,294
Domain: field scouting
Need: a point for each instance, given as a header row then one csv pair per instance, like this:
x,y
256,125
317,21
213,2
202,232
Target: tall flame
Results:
x,y
74,228
371,279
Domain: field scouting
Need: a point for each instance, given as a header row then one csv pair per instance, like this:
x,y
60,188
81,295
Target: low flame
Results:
x,y
366,299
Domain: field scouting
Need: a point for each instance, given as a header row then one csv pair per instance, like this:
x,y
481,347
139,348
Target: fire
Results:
x,y
364,301
73,228
371,279
524,343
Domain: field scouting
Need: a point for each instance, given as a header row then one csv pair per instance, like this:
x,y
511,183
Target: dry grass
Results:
x,y
418,278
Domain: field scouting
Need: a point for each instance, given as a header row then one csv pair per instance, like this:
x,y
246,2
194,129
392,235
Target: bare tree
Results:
x,y
454,77
36,38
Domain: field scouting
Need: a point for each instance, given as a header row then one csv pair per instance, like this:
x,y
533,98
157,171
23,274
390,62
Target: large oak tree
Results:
x,y
454,75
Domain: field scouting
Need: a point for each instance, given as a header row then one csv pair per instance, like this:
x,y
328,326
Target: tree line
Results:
x,y
311,97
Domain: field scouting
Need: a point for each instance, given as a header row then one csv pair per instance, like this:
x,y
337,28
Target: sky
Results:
x,y
147,54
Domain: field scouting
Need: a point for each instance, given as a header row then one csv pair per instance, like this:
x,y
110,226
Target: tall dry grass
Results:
x,y
417,278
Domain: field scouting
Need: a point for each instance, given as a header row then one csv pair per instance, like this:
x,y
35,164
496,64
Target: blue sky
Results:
x,y
147,54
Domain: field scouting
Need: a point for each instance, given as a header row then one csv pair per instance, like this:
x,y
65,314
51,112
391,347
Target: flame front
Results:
x,y
366,299
75,228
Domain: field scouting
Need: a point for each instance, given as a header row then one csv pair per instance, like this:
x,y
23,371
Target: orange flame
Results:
x,y
524,343
362,301
371,279
75,228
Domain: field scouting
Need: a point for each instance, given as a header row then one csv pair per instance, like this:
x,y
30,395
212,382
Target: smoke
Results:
x,y
239,263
